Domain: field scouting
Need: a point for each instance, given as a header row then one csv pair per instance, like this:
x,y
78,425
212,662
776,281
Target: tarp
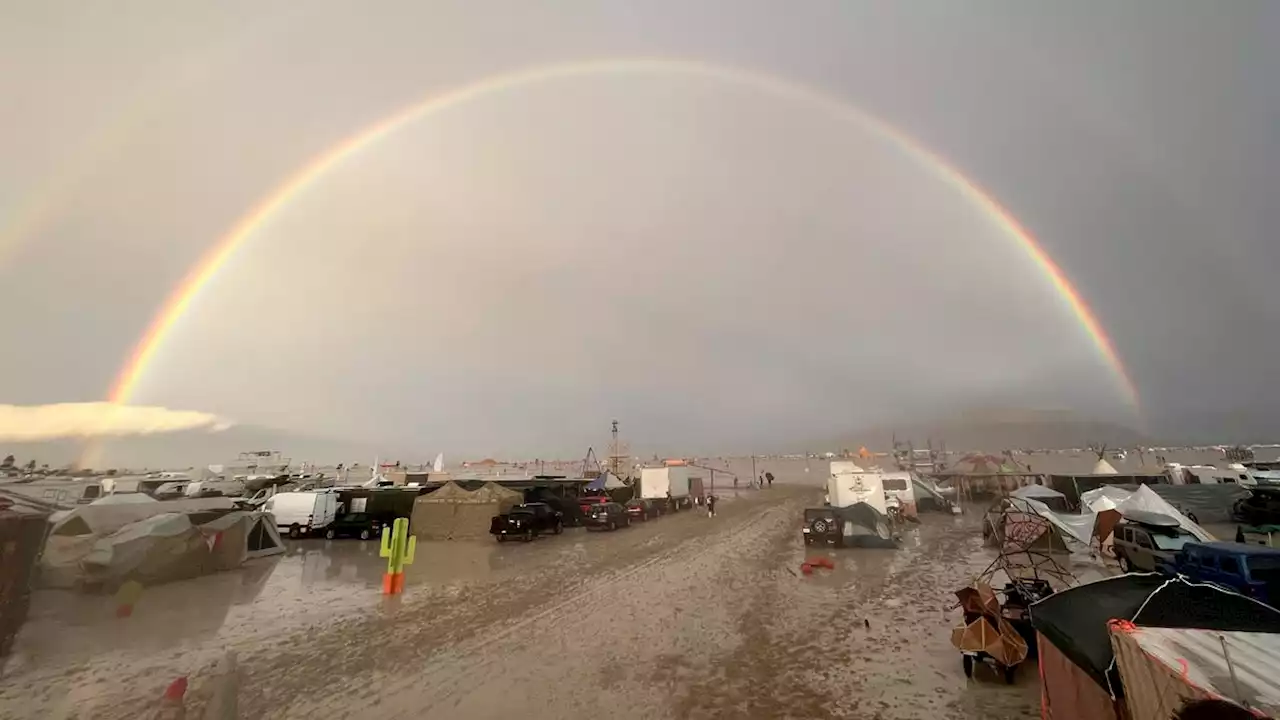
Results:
x,y
1162,668
1144,499
1077,528
106,519
1075,619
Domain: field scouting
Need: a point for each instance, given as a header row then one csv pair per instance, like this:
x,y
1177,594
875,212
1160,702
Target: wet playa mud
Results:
x,y
685,616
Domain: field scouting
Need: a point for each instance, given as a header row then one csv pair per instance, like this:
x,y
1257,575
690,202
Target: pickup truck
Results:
x,y
527,521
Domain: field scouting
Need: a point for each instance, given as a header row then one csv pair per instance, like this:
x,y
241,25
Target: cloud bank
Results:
x,y
26,423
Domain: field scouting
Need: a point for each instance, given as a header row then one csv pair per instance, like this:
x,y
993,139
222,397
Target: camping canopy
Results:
x,y
1075,619
106,519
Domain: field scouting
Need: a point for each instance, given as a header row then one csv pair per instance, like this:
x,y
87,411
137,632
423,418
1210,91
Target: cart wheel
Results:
x,y
968,666
1008,674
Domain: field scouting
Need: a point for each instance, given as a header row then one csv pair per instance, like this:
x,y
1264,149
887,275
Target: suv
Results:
x,y
1260,507
361,525
642,510
608,515
822,525
527,521
1143,546
1251,570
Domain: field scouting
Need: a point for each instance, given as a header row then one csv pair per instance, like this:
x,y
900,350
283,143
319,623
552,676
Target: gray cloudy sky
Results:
x,y
711,264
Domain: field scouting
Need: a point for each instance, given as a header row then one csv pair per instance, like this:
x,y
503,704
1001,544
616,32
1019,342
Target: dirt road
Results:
x,y
683,617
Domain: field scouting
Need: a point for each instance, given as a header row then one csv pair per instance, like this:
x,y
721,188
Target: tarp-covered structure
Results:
x,y
93,553
1075,642
1143,499
454,513
1163,668
1052,499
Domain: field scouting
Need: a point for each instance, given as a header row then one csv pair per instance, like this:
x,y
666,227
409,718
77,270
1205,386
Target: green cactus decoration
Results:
x,y
398,548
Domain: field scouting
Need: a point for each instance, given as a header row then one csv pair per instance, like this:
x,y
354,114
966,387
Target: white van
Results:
x,y
302,513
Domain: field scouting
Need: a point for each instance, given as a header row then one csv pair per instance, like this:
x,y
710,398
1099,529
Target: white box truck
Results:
x,y
302,513
661,483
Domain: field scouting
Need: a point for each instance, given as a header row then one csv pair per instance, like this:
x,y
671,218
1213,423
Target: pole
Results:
x,y
753,467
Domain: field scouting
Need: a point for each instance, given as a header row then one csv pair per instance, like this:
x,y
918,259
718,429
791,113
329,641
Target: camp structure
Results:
x,y
1074,634
1161,669
454,513
94,552
1031,543
1053,499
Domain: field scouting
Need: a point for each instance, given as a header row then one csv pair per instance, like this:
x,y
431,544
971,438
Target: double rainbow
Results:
x,y
186,293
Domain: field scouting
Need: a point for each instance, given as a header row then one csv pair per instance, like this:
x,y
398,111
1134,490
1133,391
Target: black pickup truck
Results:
x,y
527,522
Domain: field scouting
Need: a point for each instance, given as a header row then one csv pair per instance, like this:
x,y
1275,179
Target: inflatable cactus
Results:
x,y
397,547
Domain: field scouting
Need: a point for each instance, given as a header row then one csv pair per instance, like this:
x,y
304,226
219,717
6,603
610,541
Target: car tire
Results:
x,y
613,526
295,531
330,534
819,526
501,538
559,528
365,534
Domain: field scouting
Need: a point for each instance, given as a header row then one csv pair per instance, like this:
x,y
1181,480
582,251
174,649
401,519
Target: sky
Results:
x,y
711,263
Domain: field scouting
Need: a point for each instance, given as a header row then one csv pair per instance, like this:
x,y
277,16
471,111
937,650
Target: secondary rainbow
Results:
x,y
198,278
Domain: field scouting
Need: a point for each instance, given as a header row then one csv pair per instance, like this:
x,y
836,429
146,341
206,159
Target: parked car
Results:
x,y
587,501
821,526
527,521
1251,570
1144,540
361,525
1260,507
643,510
607,515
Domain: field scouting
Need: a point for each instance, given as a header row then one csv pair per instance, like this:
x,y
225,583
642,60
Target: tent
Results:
x,y
606,481
1053,499
453,512
235,537
1102,467
160,548
1162,668
1075,644
106,519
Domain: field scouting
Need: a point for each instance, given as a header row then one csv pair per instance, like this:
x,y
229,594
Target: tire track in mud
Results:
x,y
538,648
868,640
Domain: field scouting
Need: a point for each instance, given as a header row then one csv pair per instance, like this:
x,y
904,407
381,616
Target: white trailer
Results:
x,y
661,483
846,489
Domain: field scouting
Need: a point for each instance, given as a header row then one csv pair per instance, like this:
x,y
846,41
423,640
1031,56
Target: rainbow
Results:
x,y
198,278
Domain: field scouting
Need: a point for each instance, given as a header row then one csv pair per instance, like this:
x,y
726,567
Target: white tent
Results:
x,y
1036,492
1103,468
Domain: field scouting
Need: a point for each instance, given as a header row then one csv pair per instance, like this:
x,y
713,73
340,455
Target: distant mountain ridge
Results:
x,y
997,430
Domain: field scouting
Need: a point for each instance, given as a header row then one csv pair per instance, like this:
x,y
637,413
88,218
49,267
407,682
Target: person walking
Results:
x,y
769,476
711,506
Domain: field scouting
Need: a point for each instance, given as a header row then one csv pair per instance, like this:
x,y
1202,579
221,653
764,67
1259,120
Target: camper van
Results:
x,y
302,513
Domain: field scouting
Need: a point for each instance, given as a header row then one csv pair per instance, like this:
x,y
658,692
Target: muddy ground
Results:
x,y
682,617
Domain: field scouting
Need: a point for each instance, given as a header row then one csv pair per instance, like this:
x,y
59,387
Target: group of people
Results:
x,y
766,478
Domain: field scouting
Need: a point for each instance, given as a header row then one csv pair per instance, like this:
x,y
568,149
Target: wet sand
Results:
x,y
682,617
